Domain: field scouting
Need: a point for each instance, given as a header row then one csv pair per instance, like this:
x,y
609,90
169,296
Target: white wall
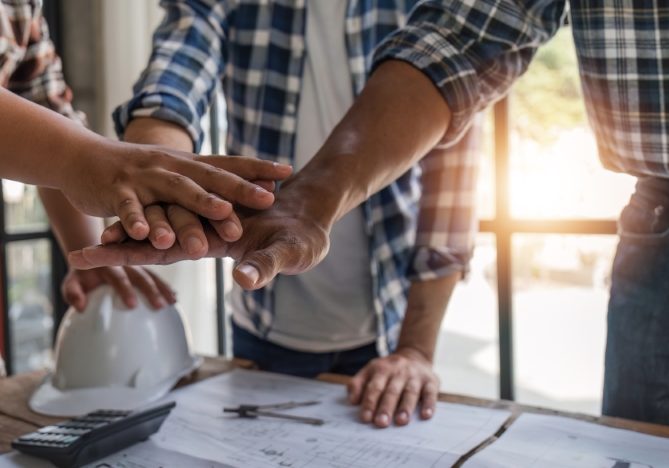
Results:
x,y
124,45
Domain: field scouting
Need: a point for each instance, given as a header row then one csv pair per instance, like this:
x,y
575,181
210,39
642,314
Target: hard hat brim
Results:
x,y
51,401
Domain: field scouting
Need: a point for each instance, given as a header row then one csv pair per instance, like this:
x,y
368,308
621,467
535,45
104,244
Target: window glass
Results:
x,y
467,357
23,208
554,168
30,304
560,296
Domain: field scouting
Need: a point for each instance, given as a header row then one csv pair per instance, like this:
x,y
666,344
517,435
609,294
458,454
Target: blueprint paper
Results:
x,y
197,427
557,442
19,460
143,455
148,455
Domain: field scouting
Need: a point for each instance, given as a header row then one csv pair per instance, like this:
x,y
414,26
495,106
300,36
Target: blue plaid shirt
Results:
x,y
256,47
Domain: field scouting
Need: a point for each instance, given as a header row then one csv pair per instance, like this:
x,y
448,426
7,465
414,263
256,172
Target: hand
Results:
x,y
78,283
171,223
123,178
391,387
281,239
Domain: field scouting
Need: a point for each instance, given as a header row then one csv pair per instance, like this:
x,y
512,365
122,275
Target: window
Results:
x,y
548,221
31,268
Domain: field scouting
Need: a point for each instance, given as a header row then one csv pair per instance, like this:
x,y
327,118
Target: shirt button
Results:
x,y
290,108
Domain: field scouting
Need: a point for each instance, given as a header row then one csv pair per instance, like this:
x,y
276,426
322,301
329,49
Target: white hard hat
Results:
x,y
109,357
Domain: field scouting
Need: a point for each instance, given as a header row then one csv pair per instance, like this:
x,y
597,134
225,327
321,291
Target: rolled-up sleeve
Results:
x,y
187,59
472,50
447,220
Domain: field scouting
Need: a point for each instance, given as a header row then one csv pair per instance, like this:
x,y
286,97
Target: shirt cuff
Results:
x,y
443,62
429,263
162,105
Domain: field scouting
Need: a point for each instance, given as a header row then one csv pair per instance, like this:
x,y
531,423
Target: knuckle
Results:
x,y
213,171
375,387
393,391
265,257
126,203
412,388
176,180
369,401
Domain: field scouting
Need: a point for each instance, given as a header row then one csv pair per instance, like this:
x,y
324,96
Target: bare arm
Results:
x,y
398,118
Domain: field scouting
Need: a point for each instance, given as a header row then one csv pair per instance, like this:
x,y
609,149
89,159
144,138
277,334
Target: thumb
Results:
x,y
256,269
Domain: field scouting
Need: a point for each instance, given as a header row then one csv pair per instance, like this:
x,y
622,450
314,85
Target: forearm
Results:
x,y
39,146
396,120
73,229
425,310
152,131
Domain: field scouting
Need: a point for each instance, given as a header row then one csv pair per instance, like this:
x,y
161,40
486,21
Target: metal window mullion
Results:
x,y
6,332
219,265
503,239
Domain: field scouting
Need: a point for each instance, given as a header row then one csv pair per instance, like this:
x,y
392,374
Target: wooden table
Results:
x,y
17,419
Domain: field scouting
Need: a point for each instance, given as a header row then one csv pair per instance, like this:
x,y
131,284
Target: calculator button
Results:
x,y
69,440
72,431
49,429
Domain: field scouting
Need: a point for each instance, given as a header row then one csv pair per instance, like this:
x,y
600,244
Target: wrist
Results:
x,y
415,352
309,198
152,131
84,158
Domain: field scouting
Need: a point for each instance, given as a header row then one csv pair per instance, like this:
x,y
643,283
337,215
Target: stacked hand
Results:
x,y
277,240
127,178
129,181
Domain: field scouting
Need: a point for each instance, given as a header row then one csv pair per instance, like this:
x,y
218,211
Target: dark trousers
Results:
x,y
274,358
636,381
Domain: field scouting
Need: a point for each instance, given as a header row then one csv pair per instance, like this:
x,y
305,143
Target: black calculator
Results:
x,y
88,438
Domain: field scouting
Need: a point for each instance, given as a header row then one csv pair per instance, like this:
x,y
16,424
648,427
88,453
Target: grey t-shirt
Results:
x,y
329,308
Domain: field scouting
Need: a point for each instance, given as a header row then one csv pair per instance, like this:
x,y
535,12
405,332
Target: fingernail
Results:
x,y
250,272
137,225
161,233
231,230
366,416
261,191
382,419
159,303
403,416
427,412
194,245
